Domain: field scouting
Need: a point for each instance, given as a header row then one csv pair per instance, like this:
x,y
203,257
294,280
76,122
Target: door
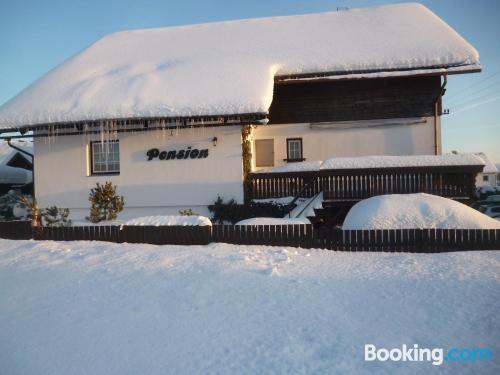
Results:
x,y
264,152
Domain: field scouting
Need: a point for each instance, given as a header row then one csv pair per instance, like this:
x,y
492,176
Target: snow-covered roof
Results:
x,y
7,152
229,67
12,175
370,162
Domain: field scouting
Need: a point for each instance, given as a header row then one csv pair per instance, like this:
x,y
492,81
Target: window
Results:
x,y
105,157
485,178
294,149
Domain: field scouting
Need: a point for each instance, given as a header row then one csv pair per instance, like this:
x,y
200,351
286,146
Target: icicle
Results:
x,y
101,126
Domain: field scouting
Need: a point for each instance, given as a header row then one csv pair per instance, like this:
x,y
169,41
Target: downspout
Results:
x,y
32,161
436,102
20,150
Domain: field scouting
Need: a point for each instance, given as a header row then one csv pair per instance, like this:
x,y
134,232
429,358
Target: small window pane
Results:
x,y
105,157
294,149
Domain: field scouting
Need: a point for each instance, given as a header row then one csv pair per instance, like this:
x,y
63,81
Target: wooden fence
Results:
x,y
16,230
304,235
356,184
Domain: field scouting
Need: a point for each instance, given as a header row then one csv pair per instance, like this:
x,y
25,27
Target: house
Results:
x,y
177,116
16,166
489,175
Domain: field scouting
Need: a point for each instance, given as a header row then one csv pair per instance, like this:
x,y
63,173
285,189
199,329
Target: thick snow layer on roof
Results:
x,y
365,162
160,220
7,152
398,211
489,167
229,67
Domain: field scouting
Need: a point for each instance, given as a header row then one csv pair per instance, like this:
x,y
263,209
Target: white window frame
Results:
x,y
103,161
297,149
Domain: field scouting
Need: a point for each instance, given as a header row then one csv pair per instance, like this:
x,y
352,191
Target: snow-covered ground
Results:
x,y
101,308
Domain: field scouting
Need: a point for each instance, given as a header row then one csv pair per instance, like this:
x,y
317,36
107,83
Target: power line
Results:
x,y
474,105
475,84
468,96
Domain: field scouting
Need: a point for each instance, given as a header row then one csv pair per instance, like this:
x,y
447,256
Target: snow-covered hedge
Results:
x,y
169,220
399,211
273,221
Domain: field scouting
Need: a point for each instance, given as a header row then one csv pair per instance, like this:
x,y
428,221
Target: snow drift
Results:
x,y
411,211
229,67
104,309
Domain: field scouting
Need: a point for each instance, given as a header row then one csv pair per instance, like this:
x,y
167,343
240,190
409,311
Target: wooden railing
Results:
x,y
456,182
277,185
354,184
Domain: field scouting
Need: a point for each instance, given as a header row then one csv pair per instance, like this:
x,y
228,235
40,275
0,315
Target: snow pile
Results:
x,y
229,67
363,162
105,309
160,220
398,211
273,221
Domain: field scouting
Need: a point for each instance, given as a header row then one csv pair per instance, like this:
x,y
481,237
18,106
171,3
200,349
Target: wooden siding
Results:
x,y
350,100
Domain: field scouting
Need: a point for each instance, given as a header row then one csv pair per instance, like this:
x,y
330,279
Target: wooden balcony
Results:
x,y
456,182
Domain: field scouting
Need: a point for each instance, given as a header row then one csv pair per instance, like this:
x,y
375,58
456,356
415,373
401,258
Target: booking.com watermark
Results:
x,y
436,356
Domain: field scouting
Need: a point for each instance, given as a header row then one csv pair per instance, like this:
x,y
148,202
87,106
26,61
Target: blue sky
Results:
x,y
35,36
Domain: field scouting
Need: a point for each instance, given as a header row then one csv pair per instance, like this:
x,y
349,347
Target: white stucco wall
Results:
x,y
492,179
323,143
149,187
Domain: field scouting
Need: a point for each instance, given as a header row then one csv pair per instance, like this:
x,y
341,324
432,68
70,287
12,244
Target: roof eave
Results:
x,y
381,73
143,123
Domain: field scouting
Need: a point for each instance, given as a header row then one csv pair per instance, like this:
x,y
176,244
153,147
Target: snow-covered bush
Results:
x,y
106,204
233,212
8,203
170,220
56,217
